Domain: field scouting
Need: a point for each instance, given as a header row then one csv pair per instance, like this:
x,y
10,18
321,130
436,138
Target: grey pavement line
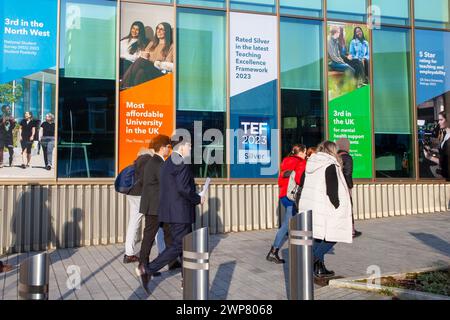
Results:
x,y
66,261
53,273
99,274
108,270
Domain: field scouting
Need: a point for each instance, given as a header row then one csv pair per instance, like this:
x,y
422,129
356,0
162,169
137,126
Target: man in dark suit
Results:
x,y
149,205
177,202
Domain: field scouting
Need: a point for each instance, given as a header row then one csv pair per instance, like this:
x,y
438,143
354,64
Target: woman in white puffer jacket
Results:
x,y
325,192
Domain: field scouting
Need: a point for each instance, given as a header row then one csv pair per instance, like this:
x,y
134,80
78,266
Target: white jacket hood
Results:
x,y
320,160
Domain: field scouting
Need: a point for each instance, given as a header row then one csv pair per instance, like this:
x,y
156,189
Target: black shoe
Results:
x,y
130,259
356,234
48,167
144,278
273,256
320,271
174,265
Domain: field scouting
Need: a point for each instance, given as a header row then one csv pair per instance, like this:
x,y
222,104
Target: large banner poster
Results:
x,y
27,88
433,100
146,77
253,93
349,113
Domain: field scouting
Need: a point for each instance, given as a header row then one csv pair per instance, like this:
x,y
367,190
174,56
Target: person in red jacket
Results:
x,y
294,162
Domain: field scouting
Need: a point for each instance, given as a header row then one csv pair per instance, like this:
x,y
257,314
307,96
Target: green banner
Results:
x,y
349,117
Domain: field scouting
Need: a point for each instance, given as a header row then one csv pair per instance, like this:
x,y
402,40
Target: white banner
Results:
x,y
253,51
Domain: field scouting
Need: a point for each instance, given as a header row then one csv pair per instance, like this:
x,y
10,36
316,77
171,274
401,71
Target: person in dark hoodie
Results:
x,y
343,145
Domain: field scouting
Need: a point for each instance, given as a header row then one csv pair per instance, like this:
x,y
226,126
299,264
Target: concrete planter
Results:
x,y
403,294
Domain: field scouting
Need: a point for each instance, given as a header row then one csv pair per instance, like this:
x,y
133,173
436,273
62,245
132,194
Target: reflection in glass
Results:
x,y
201,86
354,10
432,14
86,128
390,12
310,8
254,5
392,103
301,83
204,3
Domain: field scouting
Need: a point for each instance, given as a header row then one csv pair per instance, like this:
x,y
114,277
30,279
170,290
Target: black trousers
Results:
x,y
356,64
150,230
10,147
142,70
177,231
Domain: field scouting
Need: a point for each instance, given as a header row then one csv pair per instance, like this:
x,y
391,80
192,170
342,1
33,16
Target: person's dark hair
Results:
x,y
363,38
311,151
176,144
160,141
142,41
296,149
167,36
341,39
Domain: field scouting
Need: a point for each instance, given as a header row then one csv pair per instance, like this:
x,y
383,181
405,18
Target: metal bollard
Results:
x,y
301,280
33,277
196,265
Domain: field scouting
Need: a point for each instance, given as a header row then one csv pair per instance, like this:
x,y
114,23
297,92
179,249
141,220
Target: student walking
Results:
x,y
134,201
294,162
7,125
150,201
325,192
27,133
177,202
47,139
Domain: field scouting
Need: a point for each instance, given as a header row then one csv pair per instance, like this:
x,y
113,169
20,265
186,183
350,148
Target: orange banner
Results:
x,y
146,110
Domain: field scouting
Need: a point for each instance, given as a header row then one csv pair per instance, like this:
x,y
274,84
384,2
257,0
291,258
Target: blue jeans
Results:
x,y
320,248
340,67
290,212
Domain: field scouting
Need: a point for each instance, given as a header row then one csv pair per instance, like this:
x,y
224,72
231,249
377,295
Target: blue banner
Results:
x,y
432,64
27,37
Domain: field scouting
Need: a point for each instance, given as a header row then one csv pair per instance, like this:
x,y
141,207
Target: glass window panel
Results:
x,y
355,10
392,103
88,31
301,82
201,86
254,5
391,12
204,3
158,1
86,128
311,8
432,13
